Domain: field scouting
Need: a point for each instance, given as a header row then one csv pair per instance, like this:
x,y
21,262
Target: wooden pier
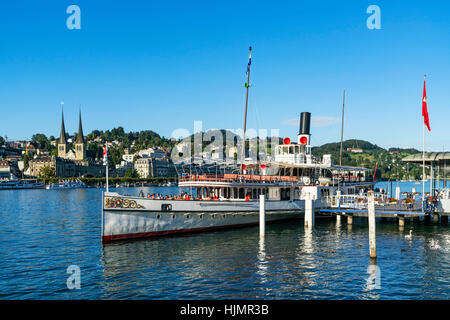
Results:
x,y
358,206
371,206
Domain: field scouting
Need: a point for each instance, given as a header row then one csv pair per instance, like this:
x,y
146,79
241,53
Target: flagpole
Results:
x,y
423,161
423,168
342,139
107,173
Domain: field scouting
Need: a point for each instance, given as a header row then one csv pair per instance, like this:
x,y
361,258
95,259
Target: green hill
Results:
x,y
362,153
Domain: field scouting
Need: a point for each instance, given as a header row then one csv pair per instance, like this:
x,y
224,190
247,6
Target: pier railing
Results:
x,y
360,201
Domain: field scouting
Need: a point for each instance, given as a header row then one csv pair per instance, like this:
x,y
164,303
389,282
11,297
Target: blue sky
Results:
x,y
160,65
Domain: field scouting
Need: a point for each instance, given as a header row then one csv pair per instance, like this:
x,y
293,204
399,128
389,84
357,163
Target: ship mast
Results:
x,y
342,130
247,85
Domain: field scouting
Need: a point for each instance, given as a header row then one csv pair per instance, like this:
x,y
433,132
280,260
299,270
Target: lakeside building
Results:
x,y
150,168
152,153
355,150
128,158
5,170
69,162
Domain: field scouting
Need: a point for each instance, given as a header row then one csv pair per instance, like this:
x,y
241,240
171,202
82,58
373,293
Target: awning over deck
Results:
x,y
430,157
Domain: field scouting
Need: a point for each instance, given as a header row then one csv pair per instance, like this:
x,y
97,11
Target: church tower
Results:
x,y
80,144
62,143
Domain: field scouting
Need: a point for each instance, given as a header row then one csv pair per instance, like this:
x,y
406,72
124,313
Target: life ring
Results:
x,y
306,181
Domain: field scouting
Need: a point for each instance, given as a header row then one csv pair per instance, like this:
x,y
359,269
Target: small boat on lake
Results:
x,y
14,183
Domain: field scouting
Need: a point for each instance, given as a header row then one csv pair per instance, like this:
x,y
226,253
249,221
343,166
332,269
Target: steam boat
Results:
x,y
232,200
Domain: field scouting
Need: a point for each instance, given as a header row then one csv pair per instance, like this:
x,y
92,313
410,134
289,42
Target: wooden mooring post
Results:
x,y
262,215
372,234
401,221
349,220
309,211
435,218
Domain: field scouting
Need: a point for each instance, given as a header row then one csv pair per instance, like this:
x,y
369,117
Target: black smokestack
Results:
x,y
305,122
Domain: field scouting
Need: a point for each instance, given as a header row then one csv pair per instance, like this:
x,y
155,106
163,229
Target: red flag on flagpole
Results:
x,y
375,171
426,120
105,153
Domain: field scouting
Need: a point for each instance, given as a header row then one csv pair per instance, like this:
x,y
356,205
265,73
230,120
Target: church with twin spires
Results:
x,y
71,162
79,152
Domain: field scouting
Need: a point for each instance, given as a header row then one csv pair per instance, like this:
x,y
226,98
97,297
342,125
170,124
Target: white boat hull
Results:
x,y
22,187
140,217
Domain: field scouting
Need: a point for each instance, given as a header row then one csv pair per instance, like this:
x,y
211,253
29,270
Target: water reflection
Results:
x,y
373,281
262,262
308,242
338,222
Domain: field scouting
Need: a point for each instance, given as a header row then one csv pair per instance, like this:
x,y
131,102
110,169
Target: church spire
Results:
x,y
62,135
80,137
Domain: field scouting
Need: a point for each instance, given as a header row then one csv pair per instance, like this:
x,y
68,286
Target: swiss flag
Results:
x,y
105,154
426,120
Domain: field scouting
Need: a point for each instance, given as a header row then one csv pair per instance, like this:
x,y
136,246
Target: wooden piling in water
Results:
x,y
401,221
262,215
349,219
309,211
372,234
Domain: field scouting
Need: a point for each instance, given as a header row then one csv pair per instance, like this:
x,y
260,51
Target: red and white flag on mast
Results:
x,y
426,120
105,154
375,171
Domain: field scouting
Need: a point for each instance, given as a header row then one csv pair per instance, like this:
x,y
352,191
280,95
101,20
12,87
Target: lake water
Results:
x,y
43,232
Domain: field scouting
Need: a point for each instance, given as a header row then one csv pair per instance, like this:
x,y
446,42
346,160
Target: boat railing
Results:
x,y
231,177
350,178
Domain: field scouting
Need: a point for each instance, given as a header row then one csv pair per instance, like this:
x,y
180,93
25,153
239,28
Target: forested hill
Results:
x,y
335,146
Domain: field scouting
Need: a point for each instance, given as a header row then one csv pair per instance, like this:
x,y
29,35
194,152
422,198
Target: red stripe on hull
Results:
x,y
107,239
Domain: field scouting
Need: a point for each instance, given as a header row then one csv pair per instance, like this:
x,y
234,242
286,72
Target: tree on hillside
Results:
x,y
46,173
95,150
26,160
131,173
41,141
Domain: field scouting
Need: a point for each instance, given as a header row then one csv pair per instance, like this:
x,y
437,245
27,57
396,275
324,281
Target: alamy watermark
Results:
x,y
223,146
74,20
74,280
374,20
